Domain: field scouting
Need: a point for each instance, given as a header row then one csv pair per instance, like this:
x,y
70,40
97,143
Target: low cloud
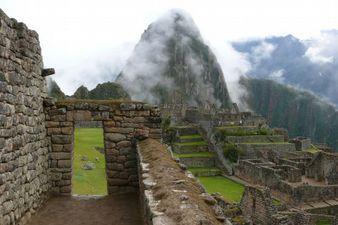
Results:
x,y
323,49
234,65
261,52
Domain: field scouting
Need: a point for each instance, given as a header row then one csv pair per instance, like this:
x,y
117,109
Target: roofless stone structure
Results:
x,y
37,139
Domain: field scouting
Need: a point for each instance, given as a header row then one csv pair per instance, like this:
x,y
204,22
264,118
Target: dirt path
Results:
x,y
108,210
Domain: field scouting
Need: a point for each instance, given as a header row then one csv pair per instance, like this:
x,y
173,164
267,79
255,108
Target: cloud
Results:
x,y
171,37
277,75
323,49
234,65
91,70
261,52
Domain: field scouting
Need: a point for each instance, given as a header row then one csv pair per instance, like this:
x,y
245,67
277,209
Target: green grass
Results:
x,y
88,182
195,155
196,143
203,169
190,136
323,222
229,189
312,149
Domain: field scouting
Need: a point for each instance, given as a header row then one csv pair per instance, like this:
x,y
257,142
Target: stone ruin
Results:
x,y
257,206
297,173
37,139
37,143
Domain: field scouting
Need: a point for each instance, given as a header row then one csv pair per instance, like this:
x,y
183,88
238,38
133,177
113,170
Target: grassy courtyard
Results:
x,y
230,190
88,182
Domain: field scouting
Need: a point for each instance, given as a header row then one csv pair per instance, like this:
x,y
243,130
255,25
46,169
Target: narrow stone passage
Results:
x,y
108,210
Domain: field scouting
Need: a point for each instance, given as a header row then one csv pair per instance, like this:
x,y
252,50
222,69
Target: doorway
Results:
x,y
89,163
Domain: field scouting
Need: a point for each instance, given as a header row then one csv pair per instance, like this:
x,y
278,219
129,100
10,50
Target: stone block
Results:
x,y
123,144
60,155
114,137
66,189
64,163
117,182
109,123
62,139
82,115
120,130
67,130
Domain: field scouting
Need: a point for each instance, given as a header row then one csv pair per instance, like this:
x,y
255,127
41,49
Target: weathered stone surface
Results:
x,y
115,137
24,180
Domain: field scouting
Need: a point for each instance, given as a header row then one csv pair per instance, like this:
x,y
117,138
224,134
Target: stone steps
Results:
x,y
190,147
199,159
190,138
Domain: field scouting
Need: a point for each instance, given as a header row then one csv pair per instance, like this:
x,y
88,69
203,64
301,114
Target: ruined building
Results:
x,y
37,147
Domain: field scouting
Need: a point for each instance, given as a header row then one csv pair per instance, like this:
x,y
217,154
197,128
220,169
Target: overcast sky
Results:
x,y
86,40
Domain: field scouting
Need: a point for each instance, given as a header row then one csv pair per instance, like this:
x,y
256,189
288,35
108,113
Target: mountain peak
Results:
x,y
172,64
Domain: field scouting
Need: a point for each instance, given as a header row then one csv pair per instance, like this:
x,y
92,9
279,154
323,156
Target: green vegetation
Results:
x,y
54,90
196,143
190,136
276,202
312,149
301,113
88,182
203,169
196,155
221,132
107,90
266,143
231,152
323,222
165,124
229,189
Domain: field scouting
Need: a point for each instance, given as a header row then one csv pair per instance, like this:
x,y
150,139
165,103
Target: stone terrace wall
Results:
x,y
123,123
23,142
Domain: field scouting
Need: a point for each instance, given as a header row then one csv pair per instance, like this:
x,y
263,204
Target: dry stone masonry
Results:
x,y
37,144
37,134
23,143
123,123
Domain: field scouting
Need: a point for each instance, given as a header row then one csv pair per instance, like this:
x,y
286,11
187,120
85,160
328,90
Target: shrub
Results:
x,y
231,152
165,123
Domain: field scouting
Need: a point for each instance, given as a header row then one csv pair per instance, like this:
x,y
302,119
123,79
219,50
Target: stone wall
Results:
x,y
123,123
301,143
88,124
256,205
324,167
254,139
23,141
168,194
280,178
269,151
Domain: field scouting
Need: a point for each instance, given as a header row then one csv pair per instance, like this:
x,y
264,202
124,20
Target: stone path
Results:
x,y
109,210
